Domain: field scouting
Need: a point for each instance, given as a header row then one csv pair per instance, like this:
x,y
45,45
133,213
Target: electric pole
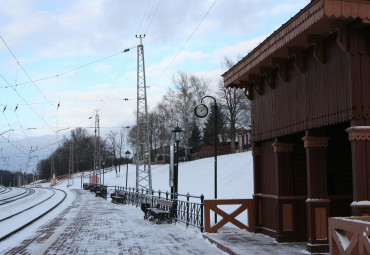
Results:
x,y
70,164
143,160
52,170
97,160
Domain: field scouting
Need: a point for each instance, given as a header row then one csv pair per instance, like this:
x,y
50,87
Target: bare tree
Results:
x,y
112,138
236,105
187,92
120,144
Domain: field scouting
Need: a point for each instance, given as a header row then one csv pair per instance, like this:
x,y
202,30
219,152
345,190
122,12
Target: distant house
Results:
x,y
209,148
309,86
244,139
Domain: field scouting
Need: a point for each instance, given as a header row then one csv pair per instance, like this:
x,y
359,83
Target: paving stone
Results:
x,y
92,225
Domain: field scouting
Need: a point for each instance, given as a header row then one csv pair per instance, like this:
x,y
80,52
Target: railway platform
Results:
x,y
92,225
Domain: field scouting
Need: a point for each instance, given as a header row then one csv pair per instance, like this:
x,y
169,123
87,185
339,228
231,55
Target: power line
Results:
x,y
186,42
28,104
78,101
69,71
18,63
152,16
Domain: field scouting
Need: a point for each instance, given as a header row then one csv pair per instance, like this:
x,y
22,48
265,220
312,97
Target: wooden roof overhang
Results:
x,y
308,28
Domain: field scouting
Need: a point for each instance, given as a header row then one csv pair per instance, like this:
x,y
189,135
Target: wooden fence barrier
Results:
x,y
211,205
349,235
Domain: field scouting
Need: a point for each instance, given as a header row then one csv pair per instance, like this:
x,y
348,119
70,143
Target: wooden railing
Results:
x,y
349,235
211,205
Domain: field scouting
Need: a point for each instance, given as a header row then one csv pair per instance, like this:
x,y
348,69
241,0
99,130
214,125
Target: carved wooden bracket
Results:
x,y
248,92
359,133
297,53
283,147
281,64
315,141
257,84
269,76
256,151
318,42
342,37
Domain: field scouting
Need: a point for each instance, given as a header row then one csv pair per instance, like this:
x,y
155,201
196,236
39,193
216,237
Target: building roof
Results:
x,y
319,18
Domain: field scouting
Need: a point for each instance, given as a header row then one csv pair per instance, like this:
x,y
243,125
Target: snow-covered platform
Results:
x,y
235,241
92,225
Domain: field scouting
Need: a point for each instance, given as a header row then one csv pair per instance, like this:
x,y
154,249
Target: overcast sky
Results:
x,y
49,38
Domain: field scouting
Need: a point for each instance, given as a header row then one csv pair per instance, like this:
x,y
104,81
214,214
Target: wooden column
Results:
x,y
317,203
285,216
360,145
256,153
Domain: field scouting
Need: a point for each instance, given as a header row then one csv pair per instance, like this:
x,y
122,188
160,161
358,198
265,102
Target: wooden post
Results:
x,y
284,166
317,203
360,145
256,152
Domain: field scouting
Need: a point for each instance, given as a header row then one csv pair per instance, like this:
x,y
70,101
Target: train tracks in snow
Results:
x,y
21,207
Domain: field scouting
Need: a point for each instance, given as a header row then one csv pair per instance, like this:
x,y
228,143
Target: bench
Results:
x,y
119,197
164,211
100,191
92,187
86,186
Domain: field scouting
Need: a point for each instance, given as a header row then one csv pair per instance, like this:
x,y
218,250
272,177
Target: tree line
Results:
x,y
83,153
8,178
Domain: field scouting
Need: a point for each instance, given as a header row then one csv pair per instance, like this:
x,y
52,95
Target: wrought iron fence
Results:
x,y
188,211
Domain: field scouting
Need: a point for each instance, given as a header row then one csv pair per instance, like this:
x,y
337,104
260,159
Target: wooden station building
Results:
x,y
309,86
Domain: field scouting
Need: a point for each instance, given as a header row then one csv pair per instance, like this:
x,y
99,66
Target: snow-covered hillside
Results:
x,y
234,173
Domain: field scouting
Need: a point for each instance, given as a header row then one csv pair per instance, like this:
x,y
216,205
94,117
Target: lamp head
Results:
x,y
177,132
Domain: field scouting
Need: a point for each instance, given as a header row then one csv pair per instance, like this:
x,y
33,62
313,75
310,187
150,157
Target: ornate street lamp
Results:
x,y
201,111
127,153
177,135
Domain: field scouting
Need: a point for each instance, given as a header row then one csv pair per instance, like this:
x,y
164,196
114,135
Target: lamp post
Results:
x,y
201,111
176,132
127,153
103,163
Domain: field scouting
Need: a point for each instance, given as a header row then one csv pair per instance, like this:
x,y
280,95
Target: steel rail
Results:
x,y
35,219
27,193
8,217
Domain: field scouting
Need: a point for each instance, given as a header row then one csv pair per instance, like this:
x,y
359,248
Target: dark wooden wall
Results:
x,y
268,169
318,97
299,165
360,70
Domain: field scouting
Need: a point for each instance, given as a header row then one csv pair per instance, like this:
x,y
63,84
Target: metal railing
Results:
x,y
188,210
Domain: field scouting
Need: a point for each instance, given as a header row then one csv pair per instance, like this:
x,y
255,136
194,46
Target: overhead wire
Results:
x,y
152,16
128,58
186,42
28,104
17,61
70,70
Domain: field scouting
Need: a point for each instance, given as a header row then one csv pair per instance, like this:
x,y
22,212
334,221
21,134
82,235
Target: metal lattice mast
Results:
x,y
143,161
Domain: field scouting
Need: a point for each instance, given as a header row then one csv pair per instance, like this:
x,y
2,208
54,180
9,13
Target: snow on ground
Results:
x,y
20,236
235,180
234,174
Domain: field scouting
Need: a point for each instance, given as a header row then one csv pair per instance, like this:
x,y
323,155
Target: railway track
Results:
x,y
17,216
4,190
25,193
